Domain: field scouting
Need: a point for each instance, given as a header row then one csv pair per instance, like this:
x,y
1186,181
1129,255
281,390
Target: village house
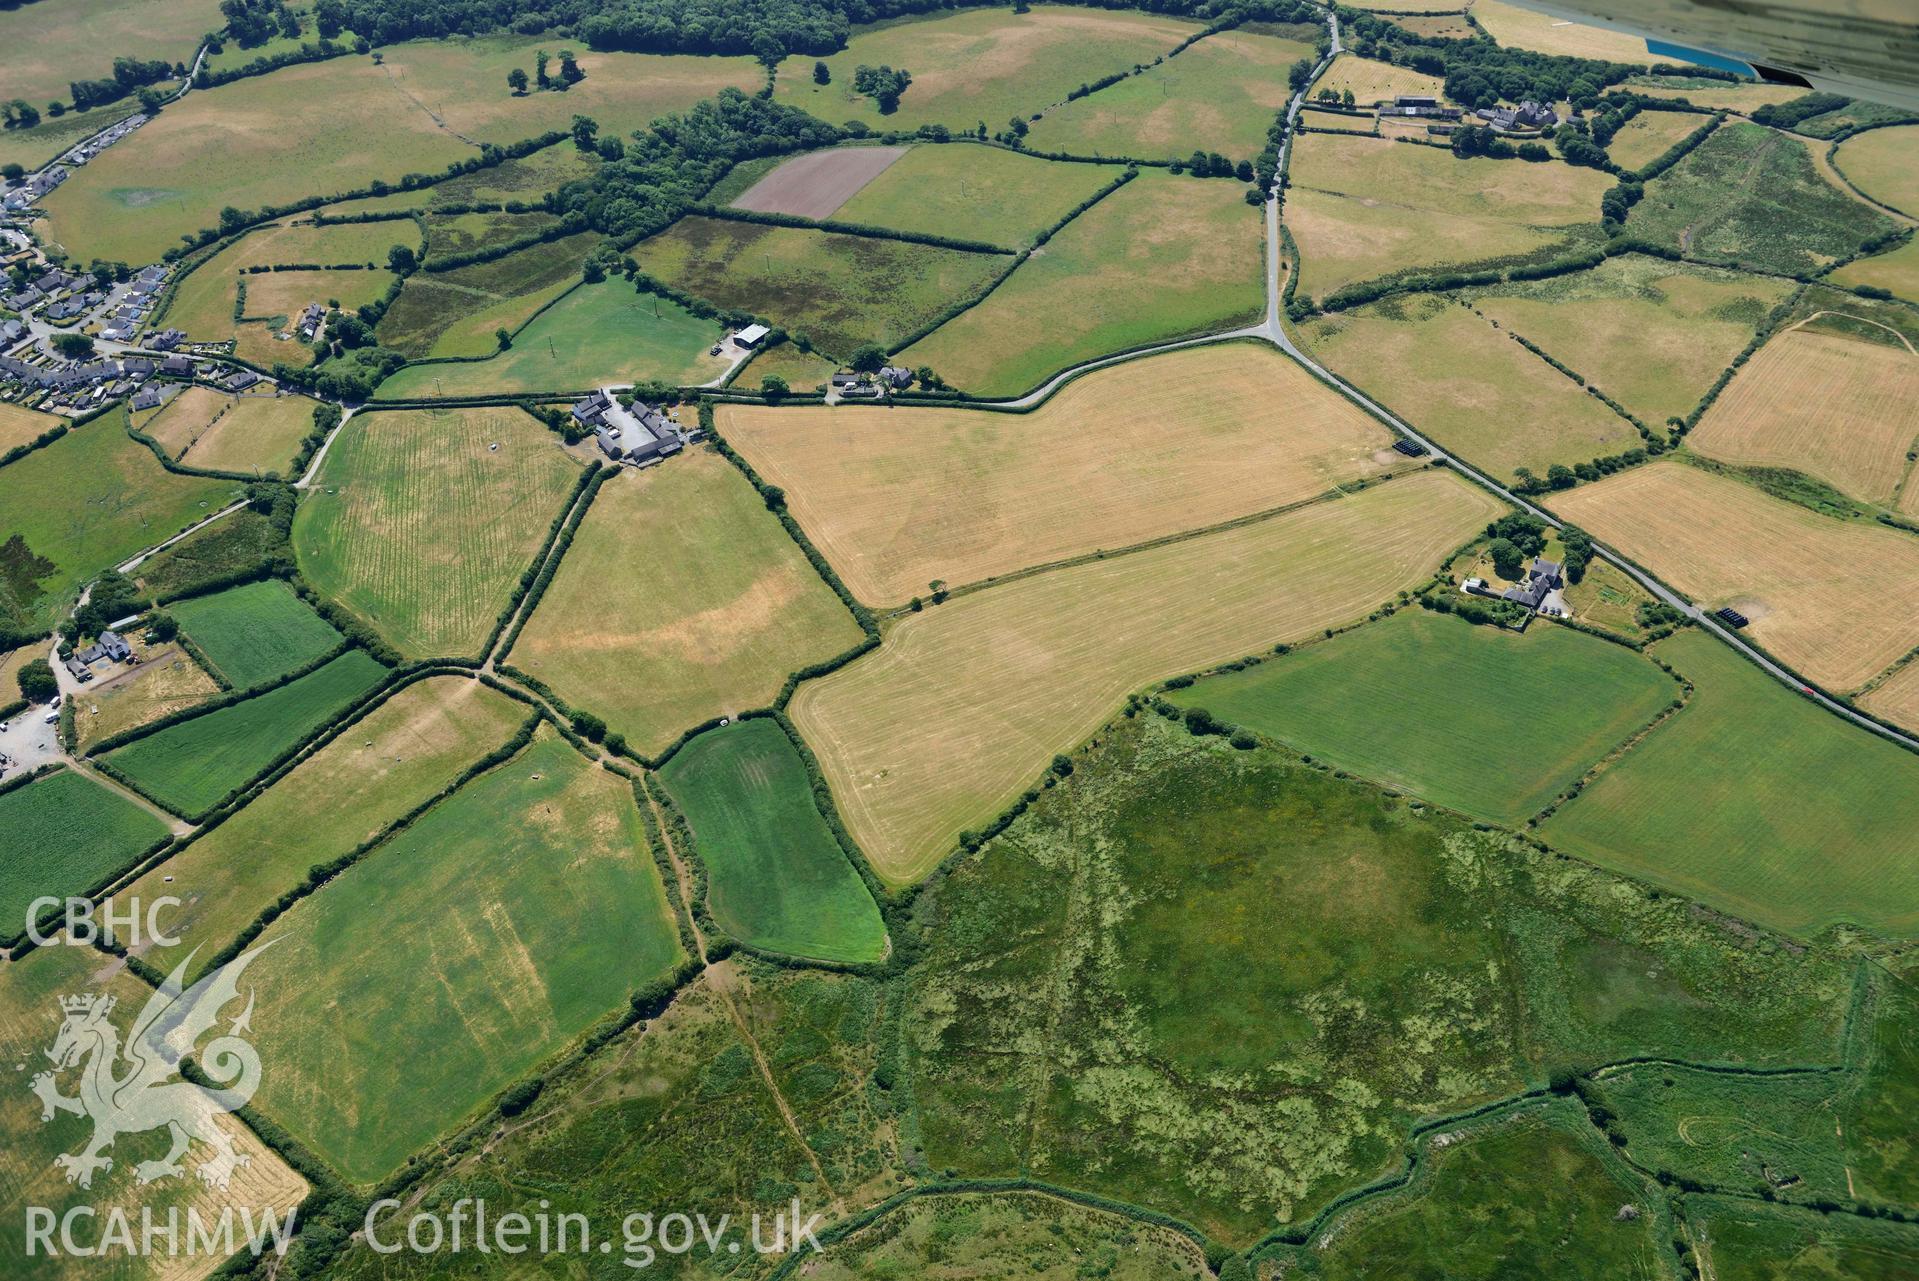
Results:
x,y
148,398
1527,115
167,340
1544,578
310,321
111,646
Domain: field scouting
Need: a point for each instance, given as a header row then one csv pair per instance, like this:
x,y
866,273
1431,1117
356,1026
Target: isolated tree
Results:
x,y
13,173
163,627
1346,98
516,80
570,72
37,684
540,60
73,346
585,131
774,387
1506,557
502,337
401,260
822,74
868,358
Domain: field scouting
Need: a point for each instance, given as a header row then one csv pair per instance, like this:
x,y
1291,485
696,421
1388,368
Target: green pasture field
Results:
x,y
65,834
1650,135
1365,208
191,765
82,505
395,757
841,291
974,193
681,564
1758,802
1731,1130
1086,1014
1023,1234
1426,702
1654,335
30,1018
676,1112
1857,114
1746,1240
777,878
1163,257
1536,1194
496,929
48,47
596,334
458,312
1454,375
803,371
418,525
1897,271
53,136
1879,163
449,234
233,544
977,65
1218,95
254,633
1750,197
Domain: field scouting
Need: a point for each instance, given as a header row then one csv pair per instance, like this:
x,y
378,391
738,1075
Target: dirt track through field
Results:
x,y
817,184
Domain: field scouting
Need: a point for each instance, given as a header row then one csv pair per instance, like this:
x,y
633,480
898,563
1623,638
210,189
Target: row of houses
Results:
x,y
101,141
640,435
33,188
140,298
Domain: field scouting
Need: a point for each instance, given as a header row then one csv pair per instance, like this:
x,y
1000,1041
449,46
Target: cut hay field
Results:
x,y
261,434
1897,271
190,766
681,599
48,47
974,193
20,426
1163,257
841,291
30,1018
495,930
419,526
1046,659
1897,698
1836,600
979,64
1362,208
897,498
166,681
84,504
457,313
1758,802
1519,28
816,184
1424,702
258,141
390,760
65,835
1654,335
1477,391
1832,406
1374,82
256,632
595,334
179,422
1650,135
1750,196
1218,95
1448,25
776,877
1879,163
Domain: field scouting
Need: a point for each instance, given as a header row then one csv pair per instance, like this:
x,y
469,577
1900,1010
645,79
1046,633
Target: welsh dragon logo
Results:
x,y
135,1087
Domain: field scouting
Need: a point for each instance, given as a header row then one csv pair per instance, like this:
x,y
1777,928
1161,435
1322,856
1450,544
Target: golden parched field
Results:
x,y
1374,82
681,599
1360,208
898,497
166,681
1897,698
202,427
420,527
1650,135
1519,28
1476,390
19,425
1897,271
1043,660
1839,408
1837,600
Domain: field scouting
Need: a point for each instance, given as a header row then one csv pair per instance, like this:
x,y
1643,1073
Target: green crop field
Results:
x,y
1756,801
82,505
594,335
974,193
494,930
1749,196
65,834
722,606
190,766
1218,95
979,64
254,633
841,291
458,312
395,757
777,879
1427,702
1652,334
1454,375
421,526
1163,257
